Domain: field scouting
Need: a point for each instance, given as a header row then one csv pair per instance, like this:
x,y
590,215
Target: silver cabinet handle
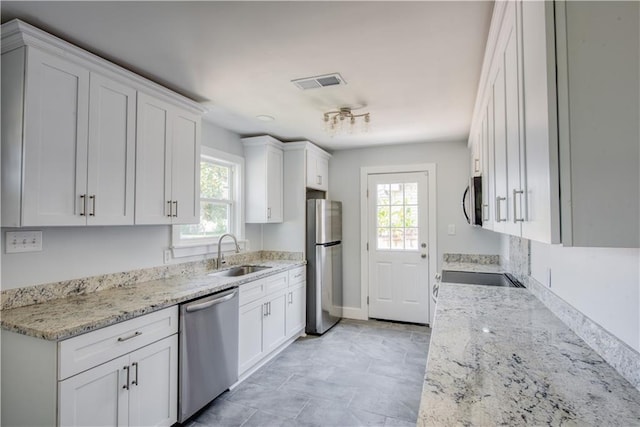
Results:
x,y
205,305
319,180
175,203
126,386
515,217
170,208
498,210
487,210
476,165
135,381
265,313
268,212
269,308
83,204
93,205
136,334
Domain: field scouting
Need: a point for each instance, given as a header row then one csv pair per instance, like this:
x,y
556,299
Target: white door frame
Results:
x,y
430,168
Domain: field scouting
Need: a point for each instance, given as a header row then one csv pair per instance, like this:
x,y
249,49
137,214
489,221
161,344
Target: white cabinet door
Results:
x,y
317,171
264,172
500,149
274,328
111,165
275,167
153,165
487,169
97,397
540,124
296,304
153,395
250,331
185,168
512,75
55,141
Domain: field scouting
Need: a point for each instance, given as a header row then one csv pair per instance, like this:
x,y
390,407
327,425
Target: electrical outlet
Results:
x,y
167,256
23,241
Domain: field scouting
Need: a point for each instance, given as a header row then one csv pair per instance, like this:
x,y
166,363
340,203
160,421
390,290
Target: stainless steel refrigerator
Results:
x,y
324,265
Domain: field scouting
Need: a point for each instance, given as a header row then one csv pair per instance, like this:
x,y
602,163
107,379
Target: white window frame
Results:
x,y
209,245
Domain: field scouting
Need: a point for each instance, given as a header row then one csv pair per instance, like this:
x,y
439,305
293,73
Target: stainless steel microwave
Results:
x,y
472,205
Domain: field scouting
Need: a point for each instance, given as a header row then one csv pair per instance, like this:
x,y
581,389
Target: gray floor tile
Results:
x,y
359,373
325,413
341,394
281,402
224,413
395,405
395,422
264,419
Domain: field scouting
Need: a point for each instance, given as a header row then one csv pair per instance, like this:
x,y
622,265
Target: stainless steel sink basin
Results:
x,y
240,270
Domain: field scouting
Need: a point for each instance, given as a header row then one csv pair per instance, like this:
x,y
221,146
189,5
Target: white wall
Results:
x,y
451,159
75,252
603,283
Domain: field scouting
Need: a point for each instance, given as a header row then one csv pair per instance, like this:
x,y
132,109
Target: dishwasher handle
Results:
x,y
203,306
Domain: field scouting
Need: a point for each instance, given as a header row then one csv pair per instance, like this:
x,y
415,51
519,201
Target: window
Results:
x,y
220,204
397,216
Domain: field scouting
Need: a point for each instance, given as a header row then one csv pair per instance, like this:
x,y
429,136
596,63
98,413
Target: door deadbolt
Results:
x,y
424,245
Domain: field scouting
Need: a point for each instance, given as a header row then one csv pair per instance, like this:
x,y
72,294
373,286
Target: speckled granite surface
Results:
x,y
63,318
472,266
498,356
471,258
20,297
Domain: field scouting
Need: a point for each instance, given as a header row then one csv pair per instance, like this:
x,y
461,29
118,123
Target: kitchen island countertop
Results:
x,y
64,318
498,356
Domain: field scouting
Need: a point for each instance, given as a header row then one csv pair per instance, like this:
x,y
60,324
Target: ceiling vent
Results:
x,y
325,80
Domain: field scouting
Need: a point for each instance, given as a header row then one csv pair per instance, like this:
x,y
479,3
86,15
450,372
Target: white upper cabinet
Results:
x,y
563,154
264,165
78,144
540,125
317,162
598,108
167,164
69,138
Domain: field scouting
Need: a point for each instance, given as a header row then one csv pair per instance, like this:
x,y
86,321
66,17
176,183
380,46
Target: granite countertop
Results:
x,y
472,266
63,318
498,356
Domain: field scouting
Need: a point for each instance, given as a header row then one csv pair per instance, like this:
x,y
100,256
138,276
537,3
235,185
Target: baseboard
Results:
x,y
354,313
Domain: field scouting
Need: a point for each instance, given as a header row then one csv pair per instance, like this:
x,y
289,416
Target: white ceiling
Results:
x,y
415,66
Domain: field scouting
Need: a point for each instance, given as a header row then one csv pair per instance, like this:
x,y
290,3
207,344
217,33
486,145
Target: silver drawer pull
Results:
x,y
136,334
126,386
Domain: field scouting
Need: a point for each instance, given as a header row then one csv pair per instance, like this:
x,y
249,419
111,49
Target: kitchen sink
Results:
x,y
240,270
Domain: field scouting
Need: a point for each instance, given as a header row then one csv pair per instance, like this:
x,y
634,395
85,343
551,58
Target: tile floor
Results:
x,y
357,374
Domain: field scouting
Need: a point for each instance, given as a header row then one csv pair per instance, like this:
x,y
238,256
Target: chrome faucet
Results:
x,y
221,260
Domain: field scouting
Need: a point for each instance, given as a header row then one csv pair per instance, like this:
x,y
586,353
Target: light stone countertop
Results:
x,y
472,266
498,356
64,318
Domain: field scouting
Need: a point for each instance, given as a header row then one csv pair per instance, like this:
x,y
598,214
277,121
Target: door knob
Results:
x,y
423,255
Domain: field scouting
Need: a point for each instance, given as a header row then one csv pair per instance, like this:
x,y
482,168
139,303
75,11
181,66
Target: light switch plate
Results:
x,y
452,230
23,241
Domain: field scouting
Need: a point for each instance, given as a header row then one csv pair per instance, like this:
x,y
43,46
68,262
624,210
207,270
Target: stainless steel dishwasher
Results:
x,y
208,350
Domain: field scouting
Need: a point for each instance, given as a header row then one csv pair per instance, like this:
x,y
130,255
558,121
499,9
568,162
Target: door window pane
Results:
x,y
397,216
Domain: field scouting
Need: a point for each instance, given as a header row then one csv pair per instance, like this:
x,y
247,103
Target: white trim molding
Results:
x,y
362,312
182,248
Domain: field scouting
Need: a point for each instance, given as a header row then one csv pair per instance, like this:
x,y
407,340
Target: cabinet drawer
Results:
x,y
297,275
276,282
251,291
86,351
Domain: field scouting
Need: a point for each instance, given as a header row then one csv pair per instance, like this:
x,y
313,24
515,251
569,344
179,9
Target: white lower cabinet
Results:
x,y
272,312
121,375
296,304
137,389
